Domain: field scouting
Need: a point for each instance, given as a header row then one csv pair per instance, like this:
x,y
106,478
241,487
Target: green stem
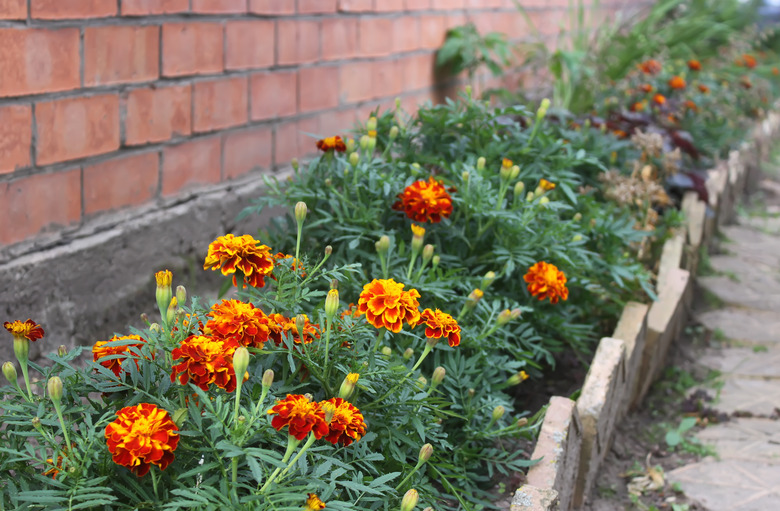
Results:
x,y
308,444
383,262
314,271
411,266
296,261
65,434
379,336
26,380
328,323
414,470
424,354
154,482
292,443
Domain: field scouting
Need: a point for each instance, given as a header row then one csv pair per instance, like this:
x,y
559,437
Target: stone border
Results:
x,y
576,436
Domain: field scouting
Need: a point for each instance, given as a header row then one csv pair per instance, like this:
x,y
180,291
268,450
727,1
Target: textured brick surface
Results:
x,y
220,104
152,7
272,6
36,61
274,95
249,44
120,182
632,329
297,41
15,137
157,114
191,164
13,9
121,54
191,48
72,9
247,150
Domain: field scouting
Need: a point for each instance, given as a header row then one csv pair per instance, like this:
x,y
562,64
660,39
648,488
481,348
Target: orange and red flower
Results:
x,y
638,106
677,82
646,87
546,281
29,329
425,201
659,99
745,82
439,324
346,424
313,503
650,67
334,143
749,61
280,324
100,351
691,105
238,320
205,361
386,304
546,185
694,65
704,89
141,436
775,71
230,254
300,415
296,265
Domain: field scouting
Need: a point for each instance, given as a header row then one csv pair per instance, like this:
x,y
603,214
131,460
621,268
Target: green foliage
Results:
x,y
464,49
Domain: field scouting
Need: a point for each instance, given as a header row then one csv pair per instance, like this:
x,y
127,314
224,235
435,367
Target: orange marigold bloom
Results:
x,y
279,324
546,281
546,185
677,82
206,360
620,133
230,253
332,143
425,201
141,436
386,304
300,415
29,329
691,105
659,99
346,425
638,106
56,467
704,89
296,265
100,351
745,82
646,87
694,65
439,324
775,71
650,67
749,61
313,503
506,163
238,320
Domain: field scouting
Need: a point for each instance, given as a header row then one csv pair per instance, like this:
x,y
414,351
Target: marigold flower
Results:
x,y
677,82
694,65
242,321
301,415
100,351
425,201
659,99
618,134
745,82
691,105
418,230
546,185
346,425
313,503
646,87
775,71
141,436
749,61
279,324
57,467
229,253
704,89
29,329
206,360
650,67
386,304
506,163
638,106
296,265
546,281
440,324
334,143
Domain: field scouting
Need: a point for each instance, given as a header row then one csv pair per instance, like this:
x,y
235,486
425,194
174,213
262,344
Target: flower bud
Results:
x,y
397,103
516,379
9,371
438,376
294,163
435,261
181,295
145,318
240,360
544,200
387,351
350,145
487,280
474,298
300,212
371,124
170,314
54,387
576,238
348,385
465,176
429,508
372,142
365,140
521,422
164,291
425,453
409,502
498,412
383,245
514,172
62,350
393,133
577,217
268,378
408,353
529,197
481,163
422,381
516,313
427,254
155,327
418,233
180,416
36,423
506,172
329,409
519,188
354,158
328,251
416,167
300,325
504,317
332,304
471,393
543,107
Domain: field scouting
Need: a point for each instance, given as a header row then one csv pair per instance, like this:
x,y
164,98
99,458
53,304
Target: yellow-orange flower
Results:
x,y
300,415
418,230
56,467
332,143
677,82
659,99
141,436
346,425
775,71
313,503
749,61
691,105
238,320
230,254
29,329
386,304
506,163
439,324
163,278
205,360
704,89
650,67
546,281
546,185
296,265
100,351
425,201
694,65
279,324
638,106
646,87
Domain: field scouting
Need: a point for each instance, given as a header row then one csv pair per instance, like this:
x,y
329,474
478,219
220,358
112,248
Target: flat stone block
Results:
x,y
632,329
743,325
695,212
671,256
531,498
558,445
598,407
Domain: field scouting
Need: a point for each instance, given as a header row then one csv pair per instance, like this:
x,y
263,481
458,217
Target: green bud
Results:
x,y
294,163
387,351
517,378
365,140
371,144
170,314
397,103
498,412
471,393
332,304
354,159
543,107
155,327
438,376
54,387
9,371
481,163
348,385
36,422
300,212
519,188
487,280
145,318
504,317
371,124
409,502
577,217
408,353
62,350
181,295
350,145
425,453
328,251
427,253
383,245
435,261
465,176
240,362
521,422
268,378
164,292
544,200
529,197
393,133
576,238
422,381
300,325
514,172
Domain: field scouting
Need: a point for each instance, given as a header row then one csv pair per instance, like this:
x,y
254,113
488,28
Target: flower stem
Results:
x,y
26,380
154,482
58,408
411,266
309,442
292,443
414,470
328,323
296,261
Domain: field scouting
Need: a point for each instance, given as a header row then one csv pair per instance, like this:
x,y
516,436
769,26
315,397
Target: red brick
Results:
x,y
72,9
219,104
297,42
272,6
33,203
356,82
158,114
337,123
417,5
76,127
483,4
339,38
318,88
356,5
219,6
149,7
375,37
121,54
15,137
447,4
250,44
388,5
192,163
387,78
121,182
247,150
406,34
418,71
317,6
35,61
432,31
191,48
458,19
274,95
291,140
13,9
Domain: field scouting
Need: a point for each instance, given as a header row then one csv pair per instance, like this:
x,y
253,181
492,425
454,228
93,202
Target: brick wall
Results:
x,y
108,105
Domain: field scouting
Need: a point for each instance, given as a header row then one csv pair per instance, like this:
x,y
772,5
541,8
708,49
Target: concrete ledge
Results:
x,y
632,330
531,498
